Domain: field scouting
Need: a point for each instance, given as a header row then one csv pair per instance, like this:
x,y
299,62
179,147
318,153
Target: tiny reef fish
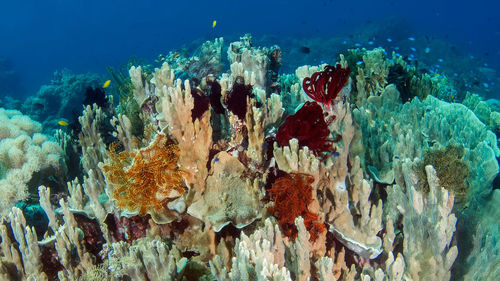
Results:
x,y
106,84
63,123
214,23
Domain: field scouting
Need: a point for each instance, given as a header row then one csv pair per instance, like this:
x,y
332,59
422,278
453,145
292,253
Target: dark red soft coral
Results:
x,y
291,195
324,86
308,125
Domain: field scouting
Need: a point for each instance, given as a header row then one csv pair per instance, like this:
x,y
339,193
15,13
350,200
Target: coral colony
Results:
x,y
248,174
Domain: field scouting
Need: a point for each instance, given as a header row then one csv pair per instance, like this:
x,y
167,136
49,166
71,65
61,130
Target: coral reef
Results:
x,y
206,179
61,99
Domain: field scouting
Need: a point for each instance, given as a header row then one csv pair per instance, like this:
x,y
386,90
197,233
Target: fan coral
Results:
x,y
291,195
144,181
308,125
324,86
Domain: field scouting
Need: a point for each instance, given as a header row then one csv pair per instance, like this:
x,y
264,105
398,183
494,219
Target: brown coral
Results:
x,y
291,195
144,181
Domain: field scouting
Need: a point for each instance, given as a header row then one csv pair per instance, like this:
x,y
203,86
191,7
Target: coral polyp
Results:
x,y
145,180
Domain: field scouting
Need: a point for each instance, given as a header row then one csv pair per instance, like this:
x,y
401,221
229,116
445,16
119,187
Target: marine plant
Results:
x,y
291,195
324,86
144,181
308,125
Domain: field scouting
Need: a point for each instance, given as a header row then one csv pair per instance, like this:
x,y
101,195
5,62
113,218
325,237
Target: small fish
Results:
x,y
214,23
359,62
305,50
63,123
413,49
175,55
336,154
357,44
370,42
106,84
440,60
411,38
389,40
427,50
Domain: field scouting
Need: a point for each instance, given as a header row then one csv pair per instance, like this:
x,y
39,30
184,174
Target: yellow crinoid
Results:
x,y
145,180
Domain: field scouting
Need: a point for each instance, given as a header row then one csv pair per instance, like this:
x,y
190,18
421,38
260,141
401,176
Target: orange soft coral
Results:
x,y
144,181
291,195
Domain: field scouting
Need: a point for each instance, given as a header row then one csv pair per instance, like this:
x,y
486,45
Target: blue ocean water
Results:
x,y
39,37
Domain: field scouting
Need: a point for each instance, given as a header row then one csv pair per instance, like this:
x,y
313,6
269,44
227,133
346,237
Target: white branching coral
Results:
x,y
194,138
428,227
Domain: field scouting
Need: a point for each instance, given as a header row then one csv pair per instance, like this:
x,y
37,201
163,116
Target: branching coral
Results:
x,y
144,181
308,125
291,195
324,86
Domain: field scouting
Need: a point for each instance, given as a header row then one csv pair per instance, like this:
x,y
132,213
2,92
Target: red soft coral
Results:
x,y
308,125
291,195
324,86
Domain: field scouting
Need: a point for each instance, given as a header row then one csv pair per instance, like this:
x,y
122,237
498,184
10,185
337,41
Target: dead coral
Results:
x,y
144,181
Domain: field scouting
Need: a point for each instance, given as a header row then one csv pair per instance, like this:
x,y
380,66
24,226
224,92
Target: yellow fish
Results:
x,y
62,122
214,23
106,84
